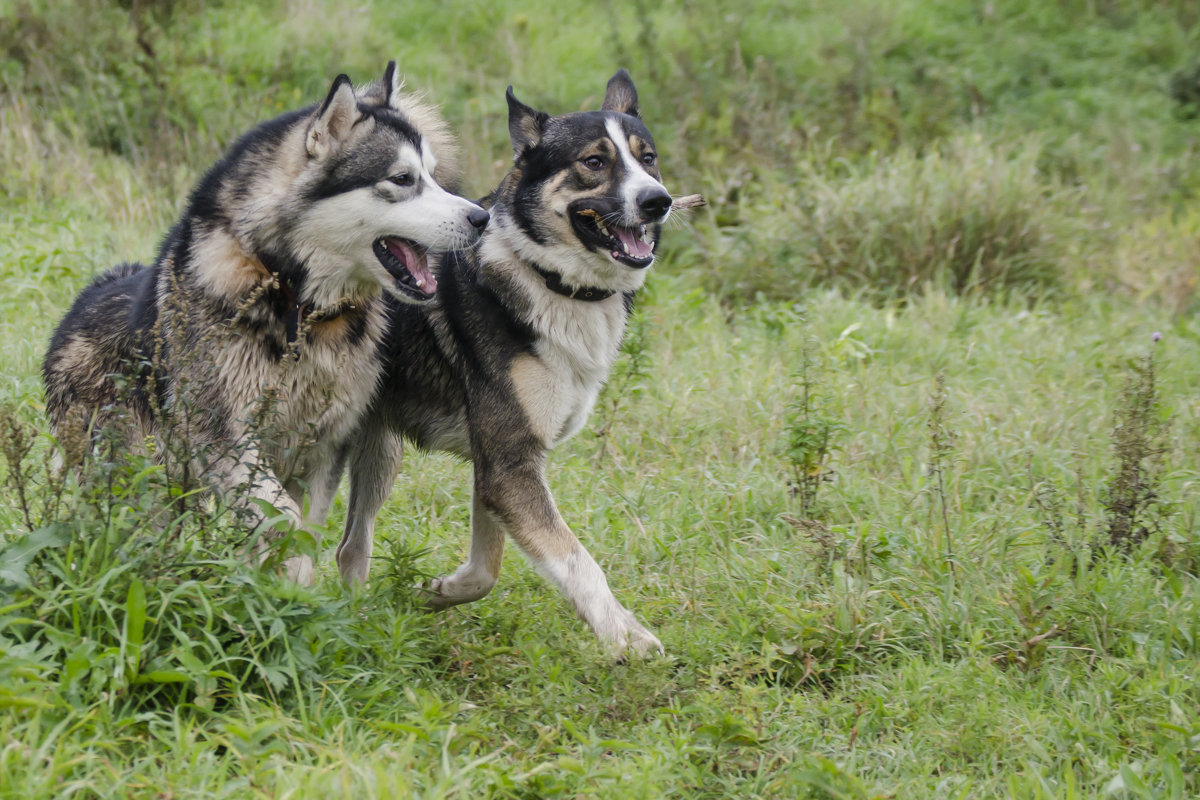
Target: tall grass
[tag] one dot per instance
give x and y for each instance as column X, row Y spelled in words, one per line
column 966, row 217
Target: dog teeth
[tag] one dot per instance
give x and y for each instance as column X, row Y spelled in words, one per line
column 420, row 283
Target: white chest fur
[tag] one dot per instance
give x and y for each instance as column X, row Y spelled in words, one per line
column 576, row 345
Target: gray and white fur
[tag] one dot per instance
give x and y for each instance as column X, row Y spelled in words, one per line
column 251, row 343
column 507, row 361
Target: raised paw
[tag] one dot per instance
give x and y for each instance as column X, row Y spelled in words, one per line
column 453, row 590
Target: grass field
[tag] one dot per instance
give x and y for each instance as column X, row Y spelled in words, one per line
column 899, row 462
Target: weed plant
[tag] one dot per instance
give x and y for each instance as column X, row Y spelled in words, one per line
column 1133, row 500
column 813, row 433
column 967, row 218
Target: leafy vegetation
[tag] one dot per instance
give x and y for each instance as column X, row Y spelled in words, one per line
column 941, row 236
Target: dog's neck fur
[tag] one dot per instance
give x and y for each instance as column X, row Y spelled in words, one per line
column 578, row 340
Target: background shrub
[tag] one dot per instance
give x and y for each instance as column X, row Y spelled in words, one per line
column 966, row 216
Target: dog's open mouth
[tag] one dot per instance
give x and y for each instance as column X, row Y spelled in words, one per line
column 632, row 247
column 408, row 263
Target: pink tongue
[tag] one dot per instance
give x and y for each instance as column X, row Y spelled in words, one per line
column 416, row 263
column 636, row 247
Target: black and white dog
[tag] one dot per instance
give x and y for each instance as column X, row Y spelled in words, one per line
column 508, row 359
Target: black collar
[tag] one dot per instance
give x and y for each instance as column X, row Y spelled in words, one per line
column 554, row 283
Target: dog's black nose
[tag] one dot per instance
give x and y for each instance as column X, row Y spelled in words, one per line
column 654, row 203
column 479, row 218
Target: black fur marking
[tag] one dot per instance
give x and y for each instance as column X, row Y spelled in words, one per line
column 114, row 315
column 436, row 353
column 291, row 272
column 204, row 202
column 389, row 81
column 361, row 167
column 358, row 326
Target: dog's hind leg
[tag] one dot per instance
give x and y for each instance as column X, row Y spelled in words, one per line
column 476, row 577
column 517, row 494
column 374, row 462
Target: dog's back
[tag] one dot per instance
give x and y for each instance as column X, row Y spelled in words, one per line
column 104, row 335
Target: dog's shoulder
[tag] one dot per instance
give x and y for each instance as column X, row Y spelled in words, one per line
column 486, row 308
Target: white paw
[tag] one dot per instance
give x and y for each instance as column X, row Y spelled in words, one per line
column 432, row 590
column 453, row 590
column 301, row 570
column 641, row 643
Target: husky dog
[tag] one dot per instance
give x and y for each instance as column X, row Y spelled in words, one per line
column 507, row 361
column 267, row 300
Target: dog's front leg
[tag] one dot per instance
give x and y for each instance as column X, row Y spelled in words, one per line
column 324, row 474
column 518, row 495
column 240, row 475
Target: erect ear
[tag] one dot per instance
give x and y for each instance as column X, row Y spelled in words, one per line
column 525, row 126
column 333, row 122
column 620, row 95
column 391, row 83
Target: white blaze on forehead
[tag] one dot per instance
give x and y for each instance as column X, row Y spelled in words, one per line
column 636, row 178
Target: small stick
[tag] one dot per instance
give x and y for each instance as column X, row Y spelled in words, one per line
column 1041, row 637
column 689, row 201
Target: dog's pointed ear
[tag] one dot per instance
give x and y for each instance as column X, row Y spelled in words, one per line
column 391, row 84
column 334, row 120
column 525, row 126
column 621, row 95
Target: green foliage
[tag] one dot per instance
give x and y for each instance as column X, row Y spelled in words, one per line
column 125, row 603
column 1133, row 500
column 967, row 217
column 812, row 434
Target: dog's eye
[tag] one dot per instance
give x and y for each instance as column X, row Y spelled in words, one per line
column 649, row 159
column 403, row 179
column 594, row 162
